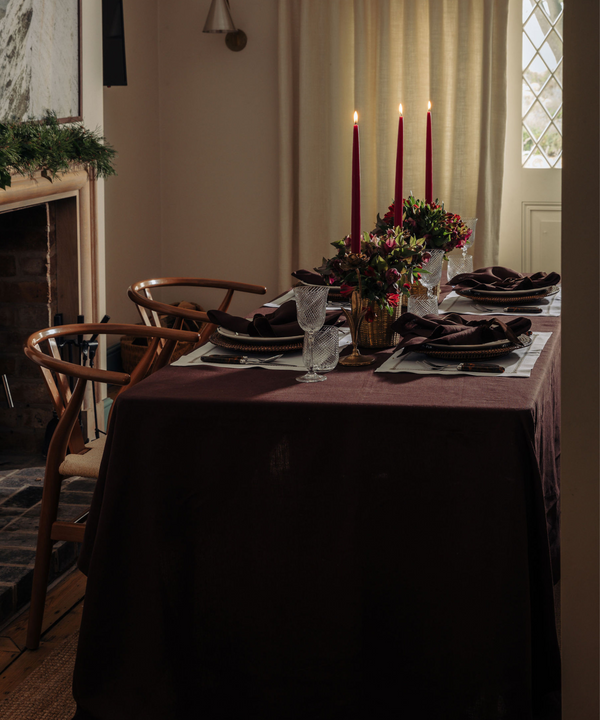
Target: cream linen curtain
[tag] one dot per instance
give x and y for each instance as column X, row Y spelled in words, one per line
column 337, row 56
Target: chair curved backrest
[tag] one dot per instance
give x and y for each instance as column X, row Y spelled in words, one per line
column 151, row 309
column 84, row 458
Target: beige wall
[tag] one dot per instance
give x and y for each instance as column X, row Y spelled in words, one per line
column 91, row 41
column 196, row 131
column 131, row 125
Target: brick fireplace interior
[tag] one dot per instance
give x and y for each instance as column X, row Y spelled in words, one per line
column 38, row 280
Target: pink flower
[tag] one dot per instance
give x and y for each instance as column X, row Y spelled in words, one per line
column 392, row 276
column 389, row 245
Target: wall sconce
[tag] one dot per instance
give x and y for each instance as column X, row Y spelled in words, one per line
column 219, row 20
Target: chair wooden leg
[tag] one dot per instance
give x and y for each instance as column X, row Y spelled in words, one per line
column 43, row 554
column 41, row 572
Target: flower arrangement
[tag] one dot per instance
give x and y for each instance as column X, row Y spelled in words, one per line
column 428, row 222
column 385, row 268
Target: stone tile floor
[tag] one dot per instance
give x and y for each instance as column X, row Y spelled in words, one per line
column 21, row 482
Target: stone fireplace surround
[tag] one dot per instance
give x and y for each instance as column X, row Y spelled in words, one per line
column 70, row 201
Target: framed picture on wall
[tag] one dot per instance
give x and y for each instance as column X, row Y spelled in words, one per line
column 40, row 59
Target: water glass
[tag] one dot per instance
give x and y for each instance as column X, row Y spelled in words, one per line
column 422, row 305
column 428, row 304
column 458, row 264
column 311, row 306
column 326, row 349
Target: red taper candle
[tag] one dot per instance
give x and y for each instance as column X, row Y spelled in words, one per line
column 398, row 192
column 429, row 160
column 355, row 224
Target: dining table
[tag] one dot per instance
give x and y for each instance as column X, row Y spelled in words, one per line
column 375, row 546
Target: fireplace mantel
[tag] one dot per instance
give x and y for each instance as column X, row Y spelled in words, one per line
column 26, row 191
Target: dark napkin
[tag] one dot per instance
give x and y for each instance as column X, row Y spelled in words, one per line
column 501, row 278
column 453, row 329
column 308, row 277
column 282, row 322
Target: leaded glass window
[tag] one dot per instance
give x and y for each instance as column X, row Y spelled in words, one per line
column 542, row 104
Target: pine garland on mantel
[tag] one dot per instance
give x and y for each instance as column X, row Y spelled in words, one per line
column 52, row 148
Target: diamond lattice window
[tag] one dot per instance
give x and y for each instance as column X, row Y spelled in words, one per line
column 542, row 83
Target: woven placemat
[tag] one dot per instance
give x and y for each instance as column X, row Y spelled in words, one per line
column 46, row 693
column 502, row 300
column 230, row 344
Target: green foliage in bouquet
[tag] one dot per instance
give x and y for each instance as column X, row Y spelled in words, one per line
column 430, row 223
column 52, row 148
column 385, row 267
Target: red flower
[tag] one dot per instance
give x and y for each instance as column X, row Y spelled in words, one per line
column 346, row 290
column 370, row 315
column 370, row 272
column 407, row 286
column 394, row 299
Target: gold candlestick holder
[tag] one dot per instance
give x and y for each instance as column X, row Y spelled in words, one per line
column 354, row 317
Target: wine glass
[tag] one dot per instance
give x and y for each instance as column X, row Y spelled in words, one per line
column 459, row 264
column 427, row 304
column 311, row 306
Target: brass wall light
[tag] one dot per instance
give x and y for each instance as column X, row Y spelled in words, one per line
column 219, row 20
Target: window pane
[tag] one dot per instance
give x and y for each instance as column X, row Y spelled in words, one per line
column 542, row 83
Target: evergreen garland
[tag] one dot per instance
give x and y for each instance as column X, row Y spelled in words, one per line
column 46, row 145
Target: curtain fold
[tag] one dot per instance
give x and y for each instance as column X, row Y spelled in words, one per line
column 370, row 55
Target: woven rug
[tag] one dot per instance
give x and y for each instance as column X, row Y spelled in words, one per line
column 46, row 692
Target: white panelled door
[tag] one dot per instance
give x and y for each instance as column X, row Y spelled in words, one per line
column 531, row 211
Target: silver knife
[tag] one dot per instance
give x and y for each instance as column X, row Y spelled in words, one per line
column 238, row 359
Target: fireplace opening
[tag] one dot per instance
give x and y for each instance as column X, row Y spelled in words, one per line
column 38, row 281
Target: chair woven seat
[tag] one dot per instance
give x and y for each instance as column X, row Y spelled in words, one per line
column 85, row 463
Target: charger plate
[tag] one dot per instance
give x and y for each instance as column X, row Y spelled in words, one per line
column 334, row 294
column 508, row 297
column 495, row 349
column 266, row 345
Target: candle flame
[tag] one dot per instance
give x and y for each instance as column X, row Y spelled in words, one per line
column 400, row 108
column 429, row 105
column 355, row 117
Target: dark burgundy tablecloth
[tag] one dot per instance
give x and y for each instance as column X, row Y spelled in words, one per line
column 375, row 546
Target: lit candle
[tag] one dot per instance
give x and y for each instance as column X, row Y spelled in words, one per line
column 429, row 160
column 398, row 194
column 355, row 224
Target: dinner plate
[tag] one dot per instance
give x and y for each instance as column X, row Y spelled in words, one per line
column 251, row 340
column 507, row 297
column 484, row 351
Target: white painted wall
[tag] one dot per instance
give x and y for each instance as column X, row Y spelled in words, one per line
column 93, row 111
column 131, row 125
column 196, row 130
column 219, row 143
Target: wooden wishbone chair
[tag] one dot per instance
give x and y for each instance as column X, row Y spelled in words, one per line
column 150, row 309
column 84, row 458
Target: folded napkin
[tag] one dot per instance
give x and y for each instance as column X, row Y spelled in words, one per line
column 501, row 278
column 452, row 329
column 308, row 277
column 282, row 322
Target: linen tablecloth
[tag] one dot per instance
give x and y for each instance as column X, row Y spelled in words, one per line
column 373, row 546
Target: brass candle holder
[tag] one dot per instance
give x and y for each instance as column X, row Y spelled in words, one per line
column 354, row 317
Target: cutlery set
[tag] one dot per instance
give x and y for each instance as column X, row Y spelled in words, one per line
column 244, row 360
